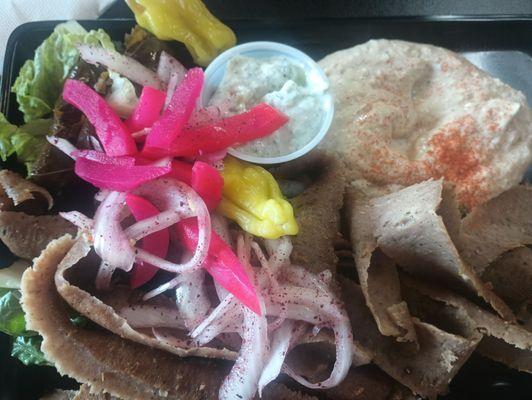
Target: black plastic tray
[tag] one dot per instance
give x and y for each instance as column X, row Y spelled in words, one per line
column 479, row 378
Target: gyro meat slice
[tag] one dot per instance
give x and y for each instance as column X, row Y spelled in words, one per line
column 377, row 273
column 502, row 341
column 16, row 190
column 497, row 226
column 409, row 228
column 426, row 372
column 511, row 276
column 27, row 235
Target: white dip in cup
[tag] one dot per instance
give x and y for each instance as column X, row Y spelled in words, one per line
column 315, row 76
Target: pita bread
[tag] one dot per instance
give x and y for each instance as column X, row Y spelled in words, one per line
column 426, row 372
column 501, row 224
column 110, row 364
column 406, row 112
column 271, row 392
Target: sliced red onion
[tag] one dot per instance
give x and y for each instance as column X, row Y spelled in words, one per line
column 221, row 292
column 171, row 194
column 227, row 304
column 173, row 82
column 167, row 66
column 279, row 349
column 125, row 66
column 243, row 250
column 297, row 312
column 167, row 194
column 101, row 195
column 163, row 288
column 110, row 241
column 156, row 223
column 78, row 219
column 192, row 299
column 265, row 266
column 62, row 144
column 344, row 358
column 152, row 316
column 96, row 145
column 274, row 285
column 299, row 276
column 161, row 263
column 229, row 322
column 280, row 251
column 329, row 308
column 104, row 276
column 241, row 383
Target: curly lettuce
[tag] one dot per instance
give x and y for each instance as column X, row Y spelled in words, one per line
column 40, row 80
column 25, row 141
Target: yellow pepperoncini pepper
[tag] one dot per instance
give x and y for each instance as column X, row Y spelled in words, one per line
column 187, row 21
column 252, row 198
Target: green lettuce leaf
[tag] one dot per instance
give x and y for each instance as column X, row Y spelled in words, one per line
column 26, row 141
column 6, row 132
column 28, row 350
column 11, row 313
column 40, row 80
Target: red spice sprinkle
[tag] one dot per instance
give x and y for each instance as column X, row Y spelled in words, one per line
column 458, row 157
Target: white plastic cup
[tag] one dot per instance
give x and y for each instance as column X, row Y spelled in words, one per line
column 315, row 75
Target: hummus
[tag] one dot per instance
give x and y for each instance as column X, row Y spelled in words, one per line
column 283, row 84
column 406, row 112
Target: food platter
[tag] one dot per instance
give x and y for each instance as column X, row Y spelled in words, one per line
column 318, row 38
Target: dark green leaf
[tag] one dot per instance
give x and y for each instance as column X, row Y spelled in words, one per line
column 28, row 350
column 11, row 314
column 78, row 320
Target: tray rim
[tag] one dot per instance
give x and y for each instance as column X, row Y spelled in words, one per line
column 7, row 67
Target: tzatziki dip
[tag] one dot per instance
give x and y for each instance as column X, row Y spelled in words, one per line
column 282, row 83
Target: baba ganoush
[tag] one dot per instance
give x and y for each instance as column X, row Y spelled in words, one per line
column 406, row 112
column 282, row 83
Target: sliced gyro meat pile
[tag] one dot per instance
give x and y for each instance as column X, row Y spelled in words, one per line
column 408, row 227
column 428, row 371
column 501, row 341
